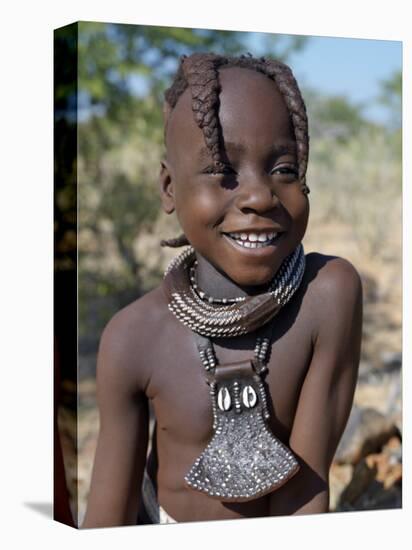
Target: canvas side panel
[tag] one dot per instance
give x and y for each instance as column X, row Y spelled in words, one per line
column 65, row 274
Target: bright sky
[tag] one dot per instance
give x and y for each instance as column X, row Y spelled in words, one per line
column 335, row 66
column 353, row 67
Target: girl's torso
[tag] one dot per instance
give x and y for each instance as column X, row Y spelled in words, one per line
column 179, row 395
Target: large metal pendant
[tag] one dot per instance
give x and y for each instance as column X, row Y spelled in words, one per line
column 243, row 460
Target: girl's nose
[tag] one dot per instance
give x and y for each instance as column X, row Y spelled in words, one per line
column 255, row 194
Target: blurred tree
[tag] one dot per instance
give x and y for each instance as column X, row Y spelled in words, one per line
column 121, row 63
column 391, row 98
column 333, row 117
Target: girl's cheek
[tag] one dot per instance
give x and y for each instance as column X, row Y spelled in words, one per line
column 296, row 204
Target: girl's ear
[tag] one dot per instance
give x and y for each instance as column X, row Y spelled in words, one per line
column 166, row 188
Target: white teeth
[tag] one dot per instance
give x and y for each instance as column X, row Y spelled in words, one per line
column 253, row 240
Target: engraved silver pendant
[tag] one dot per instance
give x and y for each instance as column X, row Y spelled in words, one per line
column 243, row 459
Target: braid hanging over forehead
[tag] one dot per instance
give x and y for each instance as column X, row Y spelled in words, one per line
column 200, row 73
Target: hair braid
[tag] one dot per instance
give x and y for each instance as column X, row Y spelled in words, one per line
column 288, row 87
column 199, row 72
column 181, row 240
column 201, row 75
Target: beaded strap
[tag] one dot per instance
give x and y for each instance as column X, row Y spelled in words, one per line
column 209, row 361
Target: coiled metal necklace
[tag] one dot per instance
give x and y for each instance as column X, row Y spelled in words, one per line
column 213, row 317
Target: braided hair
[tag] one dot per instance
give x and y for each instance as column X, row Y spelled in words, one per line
column 200, row 72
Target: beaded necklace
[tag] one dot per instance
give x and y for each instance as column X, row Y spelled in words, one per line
column 214, row 317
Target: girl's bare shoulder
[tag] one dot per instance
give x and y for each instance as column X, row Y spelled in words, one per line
column 334, row 288
column 331, row 274
column 141, row 319
column 130, row 335
column 141, row 314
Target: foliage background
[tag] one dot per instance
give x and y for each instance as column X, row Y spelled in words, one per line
column 354, row 175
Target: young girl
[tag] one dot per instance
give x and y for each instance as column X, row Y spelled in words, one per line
column 248, row 350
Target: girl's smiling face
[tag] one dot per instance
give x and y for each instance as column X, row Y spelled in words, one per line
column 248, row 217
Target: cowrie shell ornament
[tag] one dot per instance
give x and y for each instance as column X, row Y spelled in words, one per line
column 224, row 400
column 249, row 397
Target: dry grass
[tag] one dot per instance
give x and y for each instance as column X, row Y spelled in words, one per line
column 356, row 213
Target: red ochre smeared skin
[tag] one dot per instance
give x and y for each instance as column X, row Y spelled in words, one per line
column 147, row 355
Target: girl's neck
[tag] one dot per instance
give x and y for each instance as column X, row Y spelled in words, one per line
column 217, row 284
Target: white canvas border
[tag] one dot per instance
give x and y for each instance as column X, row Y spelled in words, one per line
column 26, row 236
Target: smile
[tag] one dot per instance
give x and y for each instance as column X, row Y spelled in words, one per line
column 253, row 239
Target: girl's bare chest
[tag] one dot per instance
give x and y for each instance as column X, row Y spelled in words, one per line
column 181, row 396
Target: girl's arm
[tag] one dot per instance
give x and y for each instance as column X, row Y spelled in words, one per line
column 327, row 393
column 122, row 443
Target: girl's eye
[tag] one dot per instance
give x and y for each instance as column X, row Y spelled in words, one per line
column 286, row 169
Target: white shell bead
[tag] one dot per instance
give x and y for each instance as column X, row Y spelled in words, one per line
column 249, row 397
column 224, row 401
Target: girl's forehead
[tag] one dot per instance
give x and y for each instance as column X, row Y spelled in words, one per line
column 250, row 106
column 251, row 102
column 244, row 81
